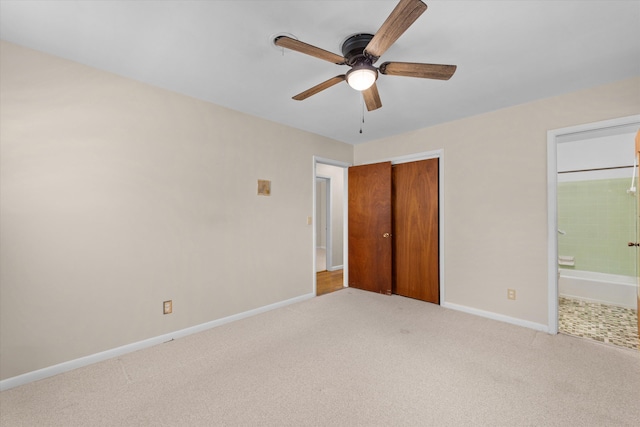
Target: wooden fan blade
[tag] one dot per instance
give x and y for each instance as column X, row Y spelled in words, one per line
column 401, row 18
column 372, row 98
column 302, row 47
column 319, row 88
column 412, row 69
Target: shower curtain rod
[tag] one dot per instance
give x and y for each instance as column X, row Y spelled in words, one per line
column 598, row 169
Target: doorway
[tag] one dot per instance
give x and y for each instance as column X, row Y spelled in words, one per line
column 435, row 154
column 593, row 285
column 329, row 242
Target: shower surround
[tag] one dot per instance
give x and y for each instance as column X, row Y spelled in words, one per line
column 598, row 219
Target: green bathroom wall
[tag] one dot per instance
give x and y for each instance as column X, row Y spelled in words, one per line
column 599, row 220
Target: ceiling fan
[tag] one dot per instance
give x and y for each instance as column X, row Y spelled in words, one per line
column 361, row 51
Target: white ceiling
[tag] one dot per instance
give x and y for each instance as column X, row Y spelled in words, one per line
column 507, row 53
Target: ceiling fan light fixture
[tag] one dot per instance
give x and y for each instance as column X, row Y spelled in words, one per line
column 362, row 77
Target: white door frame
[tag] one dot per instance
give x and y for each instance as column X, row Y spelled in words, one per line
column 552, row 204
column 345, row 216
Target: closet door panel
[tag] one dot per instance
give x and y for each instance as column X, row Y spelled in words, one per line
column 370, row 245
column 416, row 230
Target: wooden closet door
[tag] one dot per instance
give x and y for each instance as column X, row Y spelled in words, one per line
column 416, row 230
column 370, row 227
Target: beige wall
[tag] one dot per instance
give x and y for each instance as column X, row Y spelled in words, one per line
column 116, row 196
column 495, row 197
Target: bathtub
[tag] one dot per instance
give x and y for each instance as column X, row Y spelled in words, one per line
column 604, row 288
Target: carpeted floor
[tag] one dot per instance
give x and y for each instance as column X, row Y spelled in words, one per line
column 348, row 358
column 605, row 323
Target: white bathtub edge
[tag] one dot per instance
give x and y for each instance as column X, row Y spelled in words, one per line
column 597, row 301
column 598, row 277
column 602, row 288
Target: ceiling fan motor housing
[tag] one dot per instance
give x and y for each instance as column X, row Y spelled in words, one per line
column 353, row 49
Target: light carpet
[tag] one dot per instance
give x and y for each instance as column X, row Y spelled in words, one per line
column 350, row 358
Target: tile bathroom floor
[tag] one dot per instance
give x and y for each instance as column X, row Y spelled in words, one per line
column 605, row 323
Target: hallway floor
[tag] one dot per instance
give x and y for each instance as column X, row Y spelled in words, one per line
column 605, row 323
column 329, row 281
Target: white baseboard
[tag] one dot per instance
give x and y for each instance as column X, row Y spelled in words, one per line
column 335, row 268
column 119, row 351
column 495, row 316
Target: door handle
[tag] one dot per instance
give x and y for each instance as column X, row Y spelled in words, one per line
column 633, row 244
column 385, row 235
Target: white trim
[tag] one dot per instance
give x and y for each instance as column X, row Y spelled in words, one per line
column 552, row 205
column 328, row 231
column 345, row 219
column 495, row 316
column 314, row 281
column 325, row 161
column 424, row 155
column 119, row 351
column 552, row 231
column 345, row 228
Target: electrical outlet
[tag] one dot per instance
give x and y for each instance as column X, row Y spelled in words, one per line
column 167, row 307
column 511, row 294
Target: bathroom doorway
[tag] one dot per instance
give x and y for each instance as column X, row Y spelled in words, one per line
column 596, row 211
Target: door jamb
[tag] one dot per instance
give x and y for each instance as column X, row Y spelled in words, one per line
column 552, row 204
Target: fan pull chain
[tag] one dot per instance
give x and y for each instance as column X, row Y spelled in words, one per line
column 362, row 115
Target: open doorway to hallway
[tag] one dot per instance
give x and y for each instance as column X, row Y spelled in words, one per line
column 329, row 221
